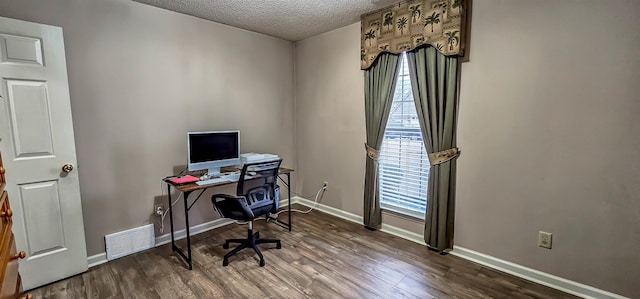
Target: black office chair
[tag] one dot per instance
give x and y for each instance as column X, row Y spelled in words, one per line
column 257, row 194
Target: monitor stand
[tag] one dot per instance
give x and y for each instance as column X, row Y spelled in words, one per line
column 211, row 173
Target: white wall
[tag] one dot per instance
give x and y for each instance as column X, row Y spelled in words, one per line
column 548, row 130
column 548, row 125
column 330, row 131
column 330, row 121
column 140, row 78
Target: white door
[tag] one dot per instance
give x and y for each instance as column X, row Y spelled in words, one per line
column 36, row 140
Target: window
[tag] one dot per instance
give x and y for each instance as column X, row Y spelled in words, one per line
column 403, row 162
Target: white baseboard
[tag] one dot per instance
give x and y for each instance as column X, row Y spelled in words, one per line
column 536, row 276
column 402, row 233
column 194, row 230
column 97, row 259
column 399, row 232
column 552, row 281
column 101, row 258
column 327, row 209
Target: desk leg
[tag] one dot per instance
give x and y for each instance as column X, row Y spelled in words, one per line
column 173, row 240
column 187, row 257
column 289, row 190
column 186, row 220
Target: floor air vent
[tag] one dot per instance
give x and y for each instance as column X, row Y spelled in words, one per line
column 129, row 241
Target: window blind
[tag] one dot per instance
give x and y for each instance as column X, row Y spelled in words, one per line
column 403, row 162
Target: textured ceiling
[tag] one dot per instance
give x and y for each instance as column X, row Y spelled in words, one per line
column 287, row 19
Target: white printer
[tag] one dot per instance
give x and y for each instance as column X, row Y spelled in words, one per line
column 256, row 157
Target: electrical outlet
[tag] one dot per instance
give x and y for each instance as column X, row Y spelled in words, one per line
column 325, row 186
column 544, row 239
column 158, row 210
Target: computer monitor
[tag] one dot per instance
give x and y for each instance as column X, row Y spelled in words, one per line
column 212, row 150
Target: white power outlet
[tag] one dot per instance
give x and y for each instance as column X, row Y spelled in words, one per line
column 158, row 210
column 544, row 239
column 325, row 186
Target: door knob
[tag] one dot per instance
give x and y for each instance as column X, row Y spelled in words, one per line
column 19, row 255
column 6, row 214
column 67, row 168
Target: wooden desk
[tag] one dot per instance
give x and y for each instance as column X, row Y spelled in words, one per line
column 187, row 189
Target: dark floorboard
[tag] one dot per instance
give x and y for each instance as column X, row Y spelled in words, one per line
column 323, row 257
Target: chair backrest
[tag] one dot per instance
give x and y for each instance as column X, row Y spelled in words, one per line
column 258, row 174
column 257, row 193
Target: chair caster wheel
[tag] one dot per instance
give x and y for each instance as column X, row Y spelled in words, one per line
column 225, row 263
column 278, row 245
column 261, row 263
column 225, row 245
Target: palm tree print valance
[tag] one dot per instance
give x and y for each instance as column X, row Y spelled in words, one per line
column 410, row 24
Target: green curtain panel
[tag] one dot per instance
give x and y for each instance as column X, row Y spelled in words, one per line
column 379, row 84
column 434, row 83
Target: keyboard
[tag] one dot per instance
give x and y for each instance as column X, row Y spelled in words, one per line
column 222, row 179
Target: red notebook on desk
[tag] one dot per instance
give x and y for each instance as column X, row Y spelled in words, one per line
column 183, row 179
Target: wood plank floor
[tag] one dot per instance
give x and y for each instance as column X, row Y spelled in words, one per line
column 323, row 257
